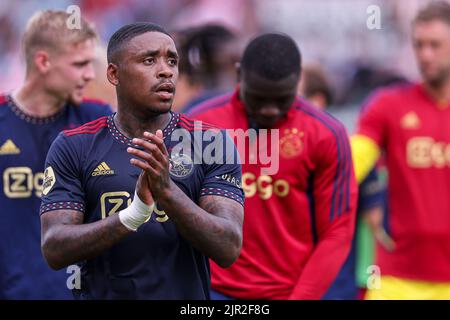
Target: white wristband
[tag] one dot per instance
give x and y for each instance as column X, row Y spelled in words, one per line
column 136, row 214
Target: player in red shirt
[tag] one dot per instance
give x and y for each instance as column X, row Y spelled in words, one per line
column 410, row 124
column 299, row 219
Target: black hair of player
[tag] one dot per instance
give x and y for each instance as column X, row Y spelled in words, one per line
column 199, row 48
column 128, row 32
column 272, row 56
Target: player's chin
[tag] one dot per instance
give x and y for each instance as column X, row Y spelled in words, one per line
column 162, row 105
column 266, row 123
column 76, row 97
column 433, row 78
column 430, row 73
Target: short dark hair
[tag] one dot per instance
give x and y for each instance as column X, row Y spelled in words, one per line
column 128, row 32
column 199, row 49
column 273, row 56
column 437, row 10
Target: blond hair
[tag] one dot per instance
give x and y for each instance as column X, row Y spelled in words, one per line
column 49, row 30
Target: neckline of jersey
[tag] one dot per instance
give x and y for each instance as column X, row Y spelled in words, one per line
column 420, row 87
column 119, row 136
column 29, row 118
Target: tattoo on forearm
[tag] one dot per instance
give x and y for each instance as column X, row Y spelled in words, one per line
column 214, row 227
column 66, row 240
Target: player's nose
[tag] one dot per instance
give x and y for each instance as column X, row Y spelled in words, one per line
column 164, row 71
column 89, row 73
column 426, row 53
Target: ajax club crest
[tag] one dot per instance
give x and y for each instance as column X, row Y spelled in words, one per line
column 181, row 165
column 291, row 144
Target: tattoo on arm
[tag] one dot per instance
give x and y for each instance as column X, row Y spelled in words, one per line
column 66, row 240
column 214, row 227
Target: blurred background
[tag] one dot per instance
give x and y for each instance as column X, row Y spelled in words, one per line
column 343, row 54
column 346, row 53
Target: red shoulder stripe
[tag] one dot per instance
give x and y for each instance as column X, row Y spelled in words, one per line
column 85, row 131
column 191, row 127
column 190, row 122
column 92, row 123
column 88, row 128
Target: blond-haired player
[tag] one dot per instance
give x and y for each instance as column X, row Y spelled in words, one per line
column 58, row 67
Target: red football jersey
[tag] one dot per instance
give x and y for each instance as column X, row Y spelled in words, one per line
column 298, row 221
column 414, row 133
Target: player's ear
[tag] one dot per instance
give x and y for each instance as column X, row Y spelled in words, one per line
column 41, row 61
column 112, row 74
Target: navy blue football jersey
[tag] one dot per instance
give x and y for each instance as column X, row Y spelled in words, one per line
column 24, row 143
column 89, row 170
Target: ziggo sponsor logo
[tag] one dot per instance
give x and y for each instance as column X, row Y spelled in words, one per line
column 264, row 186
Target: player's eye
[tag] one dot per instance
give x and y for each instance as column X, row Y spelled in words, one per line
column 172, row 62
column 81, row 64
column 149, row 61
column 435, row 44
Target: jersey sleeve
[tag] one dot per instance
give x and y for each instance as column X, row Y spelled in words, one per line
column 334, row 188
column 62, row 187
column 224, row 178
column 371, row 192
column 371, row 134
column 373, row 120
column 333, row 196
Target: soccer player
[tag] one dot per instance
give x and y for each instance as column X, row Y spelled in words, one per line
column 58, row 67
column 315, row 88
column 299, row 221
column 137, row 214
column 410, row 124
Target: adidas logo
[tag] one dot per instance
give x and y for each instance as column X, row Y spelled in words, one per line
column 410, row 121
column 9, row 148
column 102, row 170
